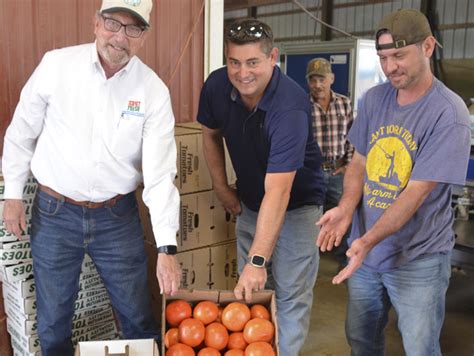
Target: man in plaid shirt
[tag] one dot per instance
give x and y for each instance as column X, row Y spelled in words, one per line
column 332, row 119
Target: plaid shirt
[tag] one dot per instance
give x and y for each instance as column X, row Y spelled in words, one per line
column 330, row 128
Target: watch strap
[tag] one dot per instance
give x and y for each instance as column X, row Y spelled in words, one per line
column 168, row 249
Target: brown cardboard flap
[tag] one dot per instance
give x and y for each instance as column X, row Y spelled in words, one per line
column 117, row 347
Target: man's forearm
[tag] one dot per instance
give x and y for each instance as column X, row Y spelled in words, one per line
column 213, row 147
column 272, row 213
column 400, row 212
column 353, row 184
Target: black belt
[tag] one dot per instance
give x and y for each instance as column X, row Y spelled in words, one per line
column 333, row 165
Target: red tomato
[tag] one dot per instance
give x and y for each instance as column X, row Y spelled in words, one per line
column 219, row 314
column 259, row 330
column 177, row 311
column 191, row 332
column 259, row 349
column 259, row 311
column 208, row 351
column 206, row 311
column 235, row 315
column 180, row 350
column 235, row 352
column 216, row 336
column 171, row 337
column 237, row 341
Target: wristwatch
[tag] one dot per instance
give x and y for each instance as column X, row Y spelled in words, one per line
column 258, row 261
column 168, row 249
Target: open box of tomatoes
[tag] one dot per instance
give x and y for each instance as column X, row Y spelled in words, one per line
column 214, row 323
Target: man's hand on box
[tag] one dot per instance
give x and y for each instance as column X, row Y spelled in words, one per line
column 14, row 217
column 168, row 273
column 252, row 279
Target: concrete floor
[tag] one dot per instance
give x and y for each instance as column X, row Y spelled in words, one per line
column 327, row 338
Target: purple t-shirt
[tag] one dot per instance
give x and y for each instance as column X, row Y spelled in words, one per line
column 428, row 140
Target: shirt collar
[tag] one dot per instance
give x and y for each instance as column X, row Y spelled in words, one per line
column 95, row 61
column 332, row 98
column 265, row 102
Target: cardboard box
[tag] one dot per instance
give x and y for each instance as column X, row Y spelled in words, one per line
column 193, row 175
column 139, row 347
column 24, row 326
column 13, row 312
column 15, row 256
column 100, row 316
column 17, row 272
column 29, row 343
column 202, row 221
column 90, row 313
column 23, row 288
column 90, row 281
column 24, row 306
column 92, row 302
column 5, row 236
column 231, row 177
column 95, row 331
column 195, row 271
column 221, row 297
column 224, row 270
column 19, row 351
column 16, row 245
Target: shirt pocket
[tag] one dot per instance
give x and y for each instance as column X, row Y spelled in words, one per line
column 127, row 141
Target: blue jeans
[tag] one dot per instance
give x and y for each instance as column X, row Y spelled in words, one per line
column 61, row 234
column 334, row 186
column 417, row 291
column 291, row 271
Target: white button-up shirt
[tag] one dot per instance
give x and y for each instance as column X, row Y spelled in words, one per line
column 91, row 138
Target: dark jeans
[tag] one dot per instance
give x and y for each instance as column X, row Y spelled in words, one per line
column 334, row 185
column 61, row 234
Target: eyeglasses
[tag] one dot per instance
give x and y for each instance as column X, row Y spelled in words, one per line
column 248, row 30
column 113, row 25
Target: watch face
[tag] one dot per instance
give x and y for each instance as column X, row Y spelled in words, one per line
column 258, row 260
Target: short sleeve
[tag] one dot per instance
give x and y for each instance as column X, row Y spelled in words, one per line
column 444, row 156
column 205, row 113
column 288, row 137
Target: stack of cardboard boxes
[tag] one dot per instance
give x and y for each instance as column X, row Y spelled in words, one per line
column 93, row 317
column 206, row 237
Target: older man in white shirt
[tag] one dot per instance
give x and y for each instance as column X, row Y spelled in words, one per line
column 93, row 122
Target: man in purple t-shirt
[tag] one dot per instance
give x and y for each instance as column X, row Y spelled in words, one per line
column 412, row 141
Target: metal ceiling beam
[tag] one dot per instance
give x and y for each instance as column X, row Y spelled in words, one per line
column 230, row 5
column 327, row 15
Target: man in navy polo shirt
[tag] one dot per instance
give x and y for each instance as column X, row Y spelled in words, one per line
column 265, row 118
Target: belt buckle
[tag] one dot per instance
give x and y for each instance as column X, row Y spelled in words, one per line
column 89, row 204
column 327, row 166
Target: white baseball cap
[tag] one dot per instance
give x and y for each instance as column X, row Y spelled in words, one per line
column 139, row 8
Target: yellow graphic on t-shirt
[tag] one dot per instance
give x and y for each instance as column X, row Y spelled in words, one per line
column 389, row 163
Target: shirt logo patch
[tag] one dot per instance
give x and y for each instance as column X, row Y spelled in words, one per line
column 133, row 110
column 133, row 106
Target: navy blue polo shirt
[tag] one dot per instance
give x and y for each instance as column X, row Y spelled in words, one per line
column 275, row 137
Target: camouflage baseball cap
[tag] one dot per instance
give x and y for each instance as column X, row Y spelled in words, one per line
column 318, row 66
column 407, row 27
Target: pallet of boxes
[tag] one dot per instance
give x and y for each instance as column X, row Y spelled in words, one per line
column 93, row 318
column 207, row 250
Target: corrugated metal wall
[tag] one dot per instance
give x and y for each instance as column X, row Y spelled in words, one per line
column 455, row 21
column 29, row 28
